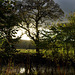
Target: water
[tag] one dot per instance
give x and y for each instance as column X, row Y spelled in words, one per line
column 40, row 70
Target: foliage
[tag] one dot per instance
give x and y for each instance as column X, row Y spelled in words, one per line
column 8, row 20
column 67, row 32
column 62, row 35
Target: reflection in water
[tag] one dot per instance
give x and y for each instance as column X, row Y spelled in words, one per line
column 41, row 71
column 22, row 70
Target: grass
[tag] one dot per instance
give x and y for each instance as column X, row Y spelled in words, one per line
column 48, row 53
column 26, row 50
column 43, row 51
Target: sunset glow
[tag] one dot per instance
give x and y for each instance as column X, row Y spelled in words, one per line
column 24, row 36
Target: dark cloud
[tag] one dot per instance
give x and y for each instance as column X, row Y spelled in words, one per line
column 66, row 5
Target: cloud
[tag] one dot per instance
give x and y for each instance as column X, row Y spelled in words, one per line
column 66, row 5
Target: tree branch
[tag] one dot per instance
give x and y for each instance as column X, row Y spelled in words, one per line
column 29, row 34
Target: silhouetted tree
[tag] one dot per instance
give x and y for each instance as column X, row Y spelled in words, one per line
column 36, row 15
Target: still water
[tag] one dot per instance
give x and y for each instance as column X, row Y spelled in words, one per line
column 40, row 70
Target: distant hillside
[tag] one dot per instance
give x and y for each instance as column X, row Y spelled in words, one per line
column 25, row 44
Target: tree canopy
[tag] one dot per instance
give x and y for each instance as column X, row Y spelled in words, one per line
column 36, row 15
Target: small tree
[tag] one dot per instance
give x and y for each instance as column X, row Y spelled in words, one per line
column 36, row 15
column 65, row 33
column 68, row 32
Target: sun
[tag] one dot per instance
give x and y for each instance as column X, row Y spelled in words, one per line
column 24, row 37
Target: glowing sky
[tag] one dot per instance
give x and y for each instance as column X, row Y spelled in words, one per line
column 67, row 6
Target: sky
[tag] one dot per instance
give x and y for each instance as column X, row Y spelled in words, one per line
column 24, row 37
column 67, row 6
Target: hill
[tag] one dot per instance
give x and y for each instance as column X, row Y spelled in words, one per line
column 25, row 44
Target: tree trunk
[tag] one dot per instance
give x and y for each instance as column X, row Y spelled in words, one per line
column 37, row 50
column 74, row 47
column 67, row 48
column 37, row 44
column 28, row 66
column 37, row 47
